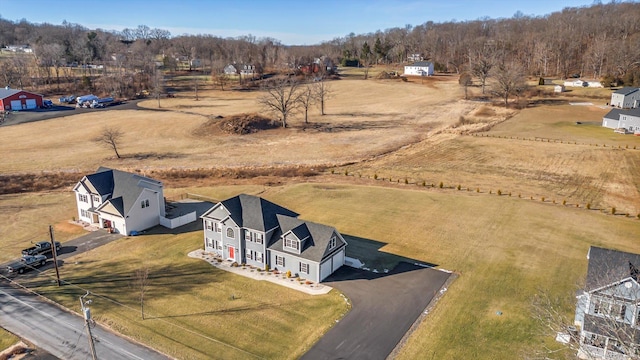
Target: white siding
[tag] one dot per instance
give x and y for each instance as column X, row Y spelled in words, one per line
column 139, row 218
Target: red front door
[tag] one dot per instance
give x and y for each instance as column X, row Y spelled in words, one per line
column 231, row 252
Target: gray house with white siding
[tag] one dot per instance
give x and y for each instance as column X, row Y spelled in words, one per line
column 250, row 230
column 607, row 316
column 623, row 119
column 625, row 98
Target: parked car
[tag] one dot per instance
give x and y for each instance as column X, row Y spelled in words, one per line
column 47, row 104
column 41, row 247
column 26, row 263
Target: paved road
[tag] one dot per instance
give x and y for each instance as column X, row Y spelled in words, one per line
column 384, row 308
column 60, row 332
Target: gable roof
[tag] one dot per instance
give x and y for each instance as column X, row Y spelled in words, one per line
column 614, row 114
column 254, row 212
column 608, row 266
column 315, row 247
column 121, row 188
column 421, row 63
column 5, row 93
column 626, row 90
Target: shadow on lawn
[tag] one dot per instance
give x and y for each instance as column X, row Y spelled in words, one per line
column 376, row 262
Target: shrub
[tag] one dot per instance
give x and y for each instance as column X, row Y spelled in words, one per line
column 519, row 196
column 564, row 202
column 588, row 206
column 288, row 273
column 346, row 173
column 375, row 176
column 458, row 187
column 406, row 181
column 638, row 216
column 235, row 264
column 441, row 185
column 613, row 211
column 499, row 192
column 266, row 267
column 333, row 171
column 490, row 191
column 477, row 190
column 424, row 183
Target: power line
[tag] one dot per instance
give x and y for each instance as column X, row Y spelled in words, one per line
column 135, row 310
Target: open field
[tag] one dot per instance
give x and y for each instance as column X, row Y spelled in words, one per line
column 505, row 250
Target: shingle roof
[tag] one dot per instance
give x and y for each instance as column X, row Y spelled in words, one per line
column 626, row 90
column 615, row 113
column 608, row 266
column 122, row 187
column 421, row 63
column 4, row 93
column 315, row 246
column 254, row 212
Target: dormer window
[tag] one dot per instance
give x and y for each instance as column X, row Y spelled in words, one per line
column 230, row 233
column 96, row 198
column 291, row 244
column 332, row 242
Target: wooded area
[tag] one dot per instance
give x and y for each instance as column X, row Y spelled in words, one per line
column 601, row 41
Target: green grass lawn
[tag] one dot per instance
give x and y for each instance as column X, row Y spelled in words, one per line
column 192, row 310
column 504, row 249
column 7, row 339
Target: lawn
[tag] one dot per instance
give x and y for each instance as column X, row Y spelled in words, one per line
column 7, row 339
column 505, row 250
column 192, row 310
column 25, row 218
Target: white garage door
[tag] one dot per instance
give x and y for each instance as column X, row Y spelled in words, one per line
column 325, row 269
column 16, row 105
column 31, row 104
column 338, row 260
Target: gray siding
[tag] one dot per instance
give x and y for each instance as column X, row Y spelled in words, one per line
column 292, row 263
column 255, row 248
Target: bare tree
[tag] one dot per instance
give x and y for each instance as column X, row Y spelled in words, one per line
column 465, row 82
column 219, row 78
column 157, row 84
column 141, row 283
column 281, row 97
column 509, row 79
column 110, row 137
column 322, row 91
column 482, row 69
column 306, row 98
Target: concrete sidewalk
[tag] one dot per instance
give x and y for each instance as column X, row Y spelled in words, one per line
column 247, row 271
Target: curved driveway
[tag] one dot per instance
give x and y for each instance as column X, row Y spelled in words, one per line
column 384, row 308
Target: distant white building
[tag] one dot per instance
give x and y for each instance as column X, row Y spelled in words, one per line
column 419, row 68
column 415, row 57
column 558, row 88
column 583, row 83
column 625, row 98
column 18, row 49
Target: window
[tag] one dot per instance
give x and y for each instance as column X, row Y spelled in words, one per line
column 304, row 268
column 144, row 203
column 83, row 198
column 230, row 233
column 217, row 227
column 332, row 242
column 279, row 260
column 84, row 213
column 209, row 242
column 291, row 244
column 218, row 245
column 623, row 311
column 254, row 255
column 249, row 254
column 96, row 198
column 258, row 257
column 247, row 235
column 259, row 238
column 596, row 307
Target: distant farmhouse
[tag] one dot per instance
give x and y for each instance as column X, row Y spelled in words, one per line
column 250, row 230
column 583, row 83
column 419, row 68
column 18, row 49
column 607, row 315
column 626, row 98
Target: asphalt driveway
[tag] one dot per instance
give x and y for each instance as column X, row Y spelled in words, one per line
column 384, row 306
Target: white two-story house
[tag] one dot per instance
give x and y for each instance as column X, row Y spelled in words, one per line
column 608, row 310
column 250, row 230
column 118, row 200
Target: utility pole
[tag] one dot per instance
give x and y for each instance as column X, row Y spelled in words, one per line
column 54, row 252
column 87, row 319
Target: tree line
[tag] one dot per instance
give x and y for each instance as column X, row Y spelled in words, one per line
column 601, row 41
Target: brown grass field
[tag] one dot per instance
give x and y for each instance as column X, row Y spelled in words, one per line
column 505, row 248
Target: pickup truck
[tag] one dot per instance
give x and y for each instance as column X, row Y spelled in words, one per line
column 41, row 247
column 26, row 263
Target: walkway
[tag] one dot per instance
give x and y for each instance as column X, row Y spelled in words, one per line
column 261, row 275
